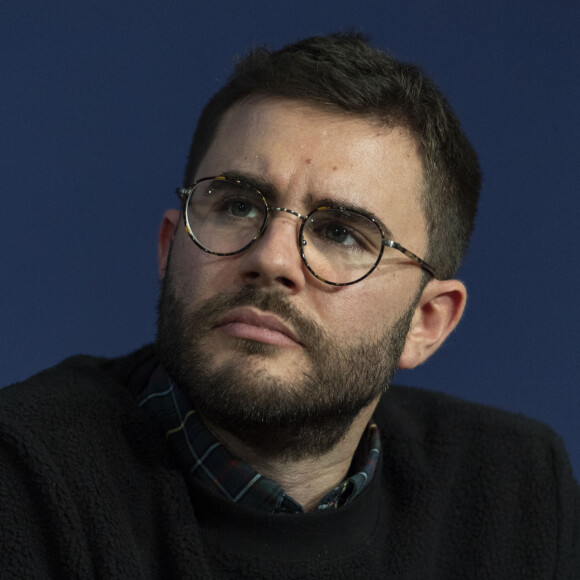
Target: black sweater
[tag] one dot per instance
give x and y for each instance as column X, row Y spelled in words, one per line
column 89, row 489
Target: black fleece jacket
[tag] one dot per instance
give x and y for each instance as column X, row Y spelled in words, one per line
column 89, row 489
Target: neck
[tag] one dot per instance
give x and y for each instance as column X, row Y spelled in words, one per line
column 307, row 479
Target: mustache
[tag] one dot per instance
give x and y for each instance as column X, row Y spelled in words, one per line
column 273, row 301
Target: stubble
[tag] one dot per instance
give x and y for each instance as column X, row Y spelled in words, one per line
column 304, row 414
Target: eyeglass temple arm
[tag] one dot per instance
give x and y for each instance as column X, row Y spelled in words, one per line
column 413, row 257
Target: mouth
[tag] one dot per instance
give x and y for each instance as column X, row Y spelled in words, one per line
column 259, row 326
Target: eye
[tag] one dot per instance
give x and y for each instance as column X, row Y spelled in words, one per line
column 241, row 208
column 230, row 201
column 341, row 230
column 336, row 232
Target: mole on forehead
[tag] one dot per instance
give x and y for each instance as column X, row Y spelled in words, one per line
column 308, row 161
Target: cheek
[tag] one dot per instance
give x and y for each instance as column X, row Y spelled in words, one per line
column 366, row 309
column 350, row 314
column 198, row 275
column 187, row 267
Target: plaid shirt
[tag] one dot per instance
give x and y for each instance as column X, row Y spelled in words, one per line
column 206, row 460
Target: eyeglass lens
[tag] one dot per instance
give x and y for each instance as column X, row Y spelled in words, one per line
column 338, row 245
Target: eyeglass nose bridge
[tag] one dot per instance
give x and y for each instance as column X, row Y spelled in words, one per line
column 290, row 211
column 270, row 209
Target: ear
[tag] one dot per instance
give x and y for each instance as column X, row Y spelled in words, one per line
column 166, row 235
column 438, row 312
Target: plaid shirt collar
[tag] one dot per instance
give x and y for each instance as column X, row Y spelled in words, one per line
column 204, row 459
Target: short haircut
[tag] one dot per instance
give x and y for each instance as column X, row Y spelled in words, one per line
column 342, row 72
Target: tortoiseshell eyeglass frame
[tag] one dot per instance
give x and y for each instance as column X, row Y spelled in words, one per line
column 185, row 193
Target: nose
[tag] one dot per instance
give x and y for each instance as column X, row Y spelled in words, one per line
column 274, row 259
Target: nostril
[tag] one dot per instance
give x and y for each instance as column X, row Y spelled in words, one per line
column 256, row 276
column 286, row 282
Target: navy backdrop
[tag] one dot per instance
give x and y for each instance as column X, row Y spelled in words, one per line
column 98, row 103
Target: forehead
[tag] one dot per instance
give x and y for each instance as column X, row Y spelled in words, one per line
column 309, row 154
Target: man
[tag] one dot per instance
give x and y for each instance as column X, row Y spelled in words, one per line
column 328, row 199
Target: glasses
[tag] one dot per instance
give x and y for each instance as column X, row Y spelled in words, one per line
column 224, row 216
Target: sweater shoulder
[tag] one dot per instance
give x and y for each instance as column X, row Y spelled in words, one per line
column 80, row 394
column 77, row 378
column 86, row 482
column 428, row 410
column 488, row 476
column 443, row 429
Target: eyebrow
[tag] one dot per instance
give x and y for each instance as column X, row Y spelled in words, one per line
column 272, row 195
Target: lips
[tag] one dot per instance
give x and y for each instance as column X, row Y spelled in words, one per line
column 264, row 327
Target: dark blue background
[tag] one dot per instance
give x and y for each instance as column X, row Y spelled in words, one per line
column 98, row 103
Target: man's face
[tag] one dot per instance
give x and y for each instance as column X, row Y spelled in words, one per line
column 260, row 344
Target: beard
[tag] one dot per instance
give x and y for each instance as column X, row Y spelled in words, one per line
column 303, row 414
